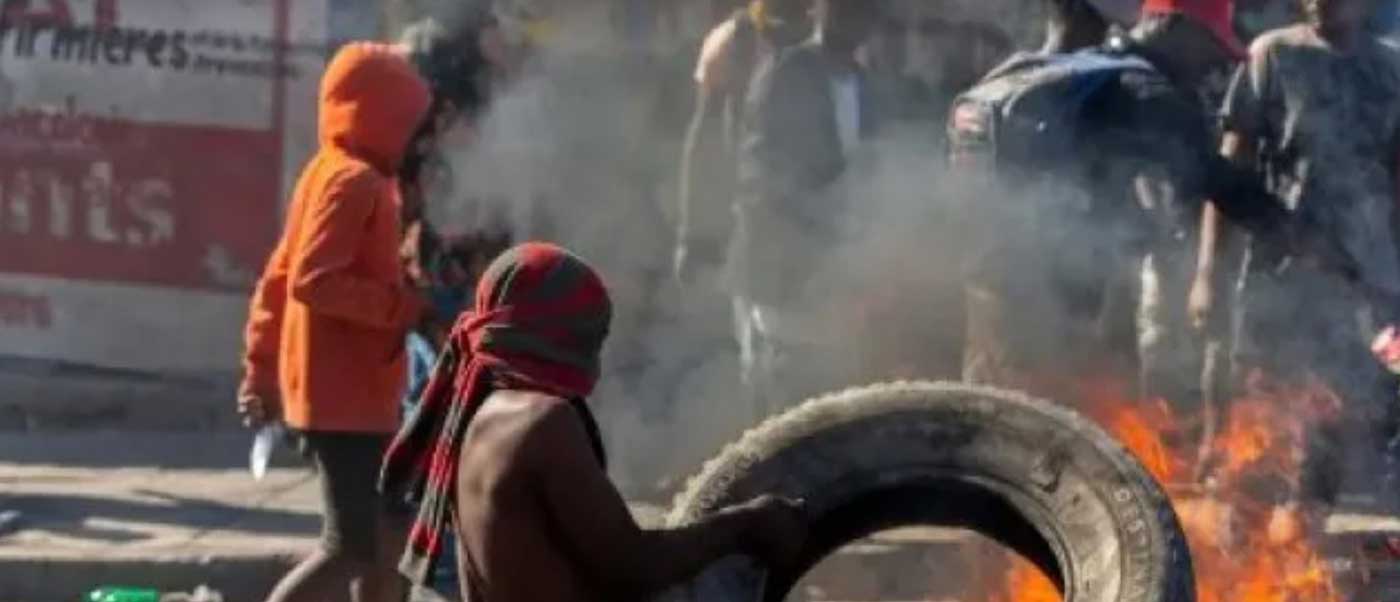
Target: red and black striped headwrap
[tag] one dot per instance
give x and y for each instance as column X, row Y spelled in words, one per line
column 540, row 319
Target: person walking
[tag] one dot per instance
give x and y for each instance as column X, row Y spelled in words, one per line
column 326, row 330
column 809, row 111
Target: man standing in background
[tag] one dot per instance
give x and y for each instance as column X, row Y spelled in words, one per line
column 996, row 348
column 1177, row 363
column 731, row 53
column 1316, row 109
column 1075, row 24
column 807, row 110
column 325, row 334
column 1044, row 316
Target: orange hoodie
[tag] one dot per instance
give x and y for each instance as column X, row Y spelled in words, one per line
column 329, row 316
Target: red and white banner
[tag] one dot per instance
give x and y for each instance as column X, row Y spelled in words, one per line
column 113, row 200
column 145, row 150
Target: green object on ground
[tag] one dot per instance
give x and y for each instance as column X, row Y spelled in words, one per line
column 123, row 594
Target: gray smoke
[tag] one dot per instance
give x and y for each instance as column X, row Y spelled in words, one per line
column 583, row 148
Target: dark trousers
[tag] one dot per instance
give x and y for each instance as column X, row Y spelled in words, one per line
column 1298, row 322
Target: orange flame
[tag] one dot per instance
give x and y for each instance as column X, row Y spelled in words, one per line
column 1027, row 583
column 1141, row 428
column 1245, row 548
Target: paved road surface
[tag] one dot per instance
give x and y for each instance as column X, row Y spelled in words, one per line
column 179, row 510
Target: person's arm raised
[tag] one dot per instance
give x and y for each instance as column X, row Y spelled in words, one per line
column 606, row 542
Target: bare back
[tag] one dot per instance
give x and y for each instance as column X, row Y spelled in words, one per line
column 511, row 549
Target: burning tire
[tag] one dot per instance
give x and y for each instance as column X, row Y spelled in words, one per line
column 1043, row 481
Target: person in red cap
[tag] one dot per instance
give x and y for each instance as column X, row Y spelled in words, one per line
column 1078, row 222
column 1175, row 361
column 1187, row 40
column 1075, row 24
column 1316, row 108
column 1215, row 16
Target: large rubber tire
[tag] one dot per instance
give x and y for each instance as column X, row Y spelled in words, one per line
column 1036, row 477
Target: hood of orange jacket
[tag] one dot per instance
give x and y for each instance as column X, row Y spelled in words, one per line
column 372, row 101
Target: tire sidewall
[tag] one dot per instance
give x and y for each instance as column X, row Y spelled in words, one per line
column 1112, row 529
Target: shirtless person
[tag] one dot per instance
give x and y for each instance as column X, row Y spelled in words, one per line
column 505, row 451
column 732, row 52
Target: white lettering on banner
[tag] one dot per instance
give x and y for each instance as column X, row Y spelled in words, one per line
column 137, row 214
column 60, row 210
column 145, row 149
column 90, row 197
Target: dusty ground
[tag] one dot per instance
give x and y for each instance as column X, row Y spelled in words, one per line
column 145, row 509
column 156, row 509
column 178, row 510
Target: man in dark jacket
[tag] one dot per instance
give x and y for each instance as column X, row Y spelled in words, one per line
column 1175, row 362
column 807, row 110
column 1315, row 108
column 1074, row 24
column 730, row 55
column 1139, row 116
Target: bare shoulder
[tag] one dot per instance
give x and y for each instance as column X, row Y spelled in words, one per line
column 719, row 41
column 1298, row 35
column 531, row 419
column 712, row 69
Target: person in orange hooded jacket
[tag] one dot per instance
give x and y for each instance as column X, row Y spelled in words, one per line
column 325, row 334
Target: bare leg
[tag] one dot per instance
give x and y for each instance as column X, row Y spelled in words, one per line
column 322, row 577
column 382, row 582
column 347, row 565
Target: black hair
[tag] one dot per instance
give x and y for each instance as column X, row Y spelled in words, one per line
column 450, row 60
column 1068, row 10
column 420, row 157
